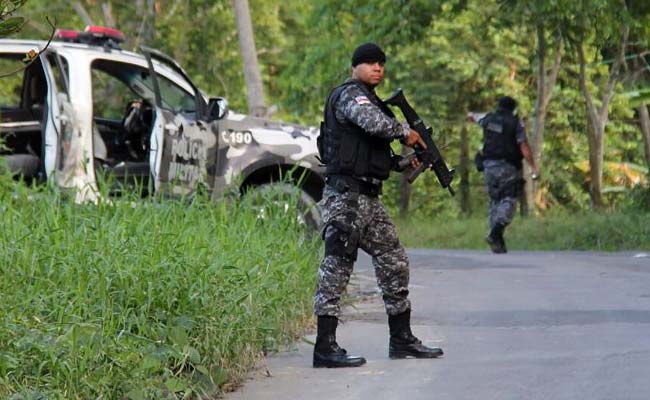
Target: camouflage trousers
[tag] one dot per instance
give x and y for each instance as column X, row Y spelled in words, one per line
column 353, row 221
column 501, row 179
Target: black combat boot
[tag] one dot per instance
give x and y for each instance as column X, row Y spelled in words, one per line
column 327, row 353
column 495, row 239
column 402, row 342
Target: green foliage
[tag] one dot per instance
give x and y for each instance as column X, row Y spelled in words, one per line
column 144, row 299
column 638, row 199
column 10, row 24
column 619, row 231
column 450, row 57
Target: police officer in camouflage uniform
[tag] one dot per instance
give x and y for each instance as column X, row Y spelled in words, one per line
column 355, row 146
column 504, row 146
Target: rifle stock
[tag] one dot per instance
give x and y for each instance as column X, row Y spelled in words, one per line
column 429, row 157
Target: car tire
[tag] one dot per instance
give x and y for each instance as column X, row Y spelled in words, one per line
column 309, row 213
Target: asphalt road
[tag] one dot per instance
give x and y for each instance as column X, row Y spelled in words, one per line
column 525, row 325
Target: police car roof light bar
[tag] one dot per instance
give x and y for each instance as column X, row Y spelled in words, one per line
column 67, row 35
column 93, row 35
column 105, row 32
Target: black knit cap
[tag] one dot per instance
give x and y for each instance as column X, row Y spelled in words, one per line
column 507, row 103
column 368, row 53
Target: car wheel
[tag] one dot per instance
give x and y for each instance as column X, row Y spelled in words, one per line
column 286, row 196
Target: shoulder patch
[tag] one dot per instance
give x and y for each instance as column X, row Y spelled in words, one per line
column 361, row 100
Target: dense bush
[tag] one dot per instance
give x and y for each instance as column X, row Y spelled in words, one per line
column 144, row 298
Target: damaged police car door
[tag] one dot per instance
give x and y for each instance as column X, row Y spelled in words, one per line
column 29, row 112
column 183, row 146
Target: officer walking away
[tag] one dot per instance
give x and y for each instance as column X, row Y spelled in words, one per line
column 355, row 147
column 504, row 145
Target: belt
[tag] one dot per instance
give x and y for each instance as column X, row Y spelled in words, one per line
column 344, row 183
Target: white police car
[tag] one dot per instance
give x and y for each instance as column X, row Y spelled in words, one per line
column 84, row 108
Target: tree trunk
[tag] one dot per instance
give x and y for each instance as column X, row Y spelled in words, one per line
column 82, row 13
column 146, row 10
column 598, row 117
column 463, row 170
column 404, row 188
column 595, row 166
column 545, row 83
column 644, row 119
column 108, row 15
column 180, row 54
column 150, row 31
column 252, row 75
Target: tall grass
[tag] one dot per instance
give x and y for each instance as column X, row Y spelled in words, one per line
column 611, row 231
column 144, row 299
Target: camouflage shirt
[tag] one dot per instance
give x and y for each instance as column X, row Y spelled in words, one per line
column 354, row 106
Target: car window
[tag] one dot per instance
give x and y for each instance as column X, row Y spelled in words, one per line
column 174, row 97
column 23, row 91
column 109, row 95
column 136, row 83
column 115, row 84
column 12, row 85
column 61, row 77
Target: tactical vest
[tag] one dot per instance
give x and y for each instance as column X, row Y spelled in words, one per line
column 500, row 138
column 346, row 149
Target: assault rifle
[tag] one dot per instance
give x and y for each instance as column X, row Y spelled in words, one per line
column 429, row 157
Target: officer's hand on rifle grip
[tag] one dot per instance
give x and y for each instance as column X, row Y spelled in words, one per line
column 415, row 163
column 414, row 138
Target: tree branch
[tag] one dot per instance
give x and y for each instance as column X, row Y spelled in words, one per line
column 35, row 56
column 613, row 74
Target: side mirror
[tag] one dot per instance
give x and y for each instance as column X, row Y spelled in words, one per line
column 217, row 108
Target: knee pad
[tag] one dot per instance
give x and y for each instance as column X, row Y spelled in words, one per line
column 341, row 240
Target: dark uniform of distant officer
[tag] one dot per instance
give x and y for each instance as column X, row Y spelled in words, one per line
column 355, row 146
column 504, row 146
